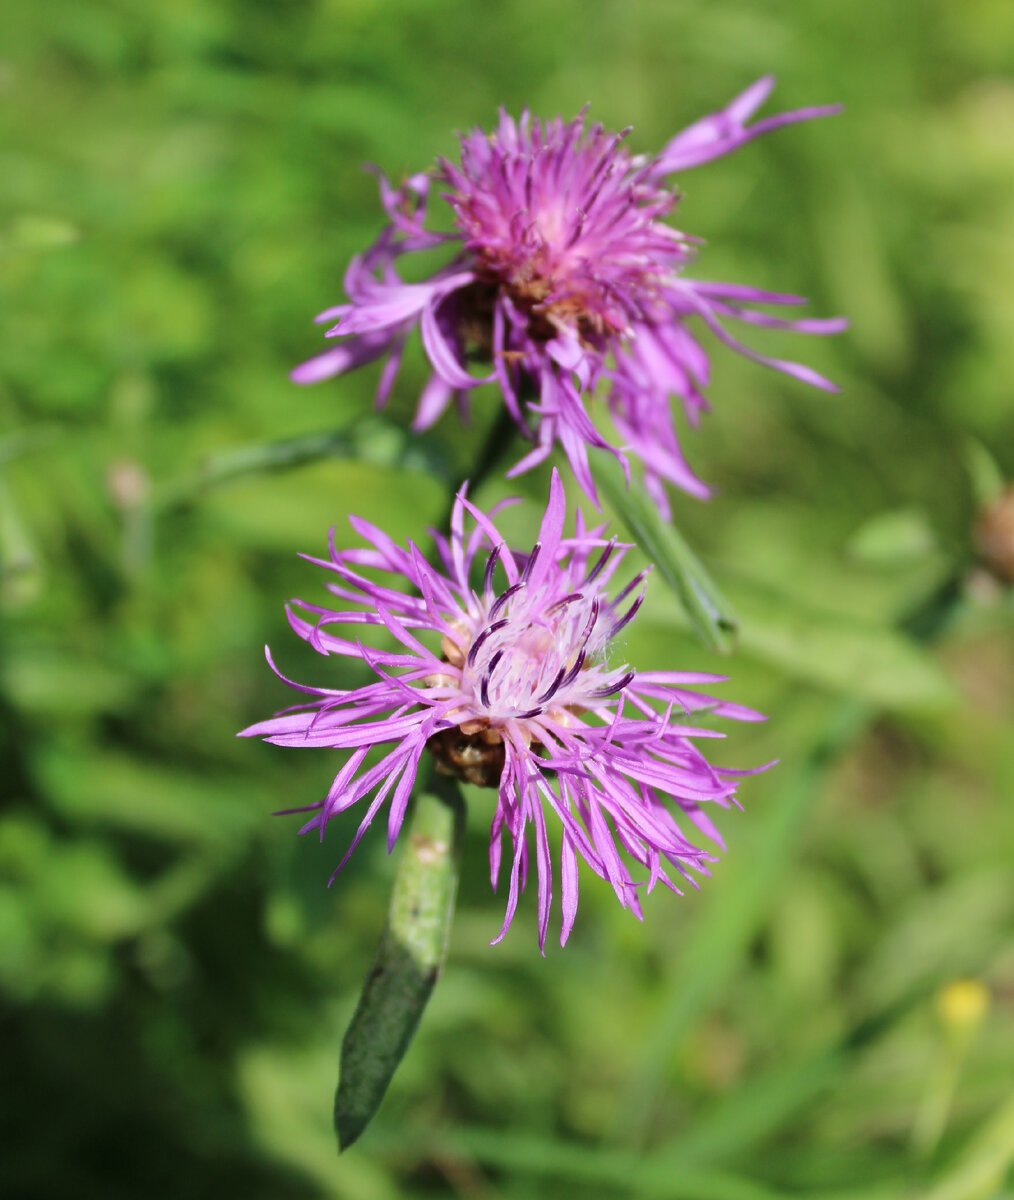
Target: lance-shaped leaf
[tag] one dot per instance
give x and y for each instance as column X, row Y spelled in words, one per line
column 707, row 608
column 408, row 961
column 371, row 439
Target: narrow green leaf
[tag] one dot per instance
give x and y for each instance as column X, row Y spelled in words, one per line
column 32, row 231
column 722, row 933
column 408, row 961
column 142, row 797
column 20, row 570
column 873, row 663
column 572, row 1164
column 762, row 1105
column 708, row 610
column 980, row 1170
column 26, row 441
column 894, row 539
column 370, row 439
column 633, row 1173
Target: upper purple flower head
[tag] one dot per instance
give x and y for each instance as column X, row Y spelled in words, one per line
column 565, row 277
column 505, row 675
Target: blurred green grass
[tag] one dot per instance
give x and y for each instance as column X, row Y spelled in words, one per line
column 179, row 193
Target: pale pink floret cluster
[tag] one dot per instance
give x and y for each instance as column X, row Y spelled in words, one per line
column 515, row 660
column 565, row 281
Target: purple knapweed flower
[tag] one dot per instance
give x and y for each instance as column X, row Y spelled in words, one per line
column 511, row 687
column 565, row 278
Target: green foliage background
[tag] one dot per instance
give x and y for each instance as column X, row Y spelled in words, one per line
column 179, row 193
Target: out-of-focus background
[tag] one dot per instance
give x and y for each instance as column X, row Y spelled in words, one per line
column 831, row 1016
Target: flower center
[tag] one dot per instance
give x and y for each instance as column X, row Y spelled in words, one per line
column 524, row 662
column 563, row 223
column 477, row 758
column 515, row 669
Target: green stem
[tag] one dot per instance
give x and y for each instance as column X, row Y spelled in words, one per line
column 494, row 449
column 371, row 439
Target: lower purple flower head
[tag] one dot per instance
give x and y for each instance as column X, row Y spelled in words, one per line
column 506, row 678
column 565, row 279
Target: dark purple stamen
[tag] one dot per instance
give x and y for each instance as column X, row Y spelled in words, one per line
column 593, row 616
column 635, row 582
column 494, row 558
column 553, row 687
column 501, row 601
column 563, row 603
column 628, row 616
column 604, row 557
column 613, row 688
column 533, row 558
column 487, row 676
column 486, row 633
column 574, row 671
